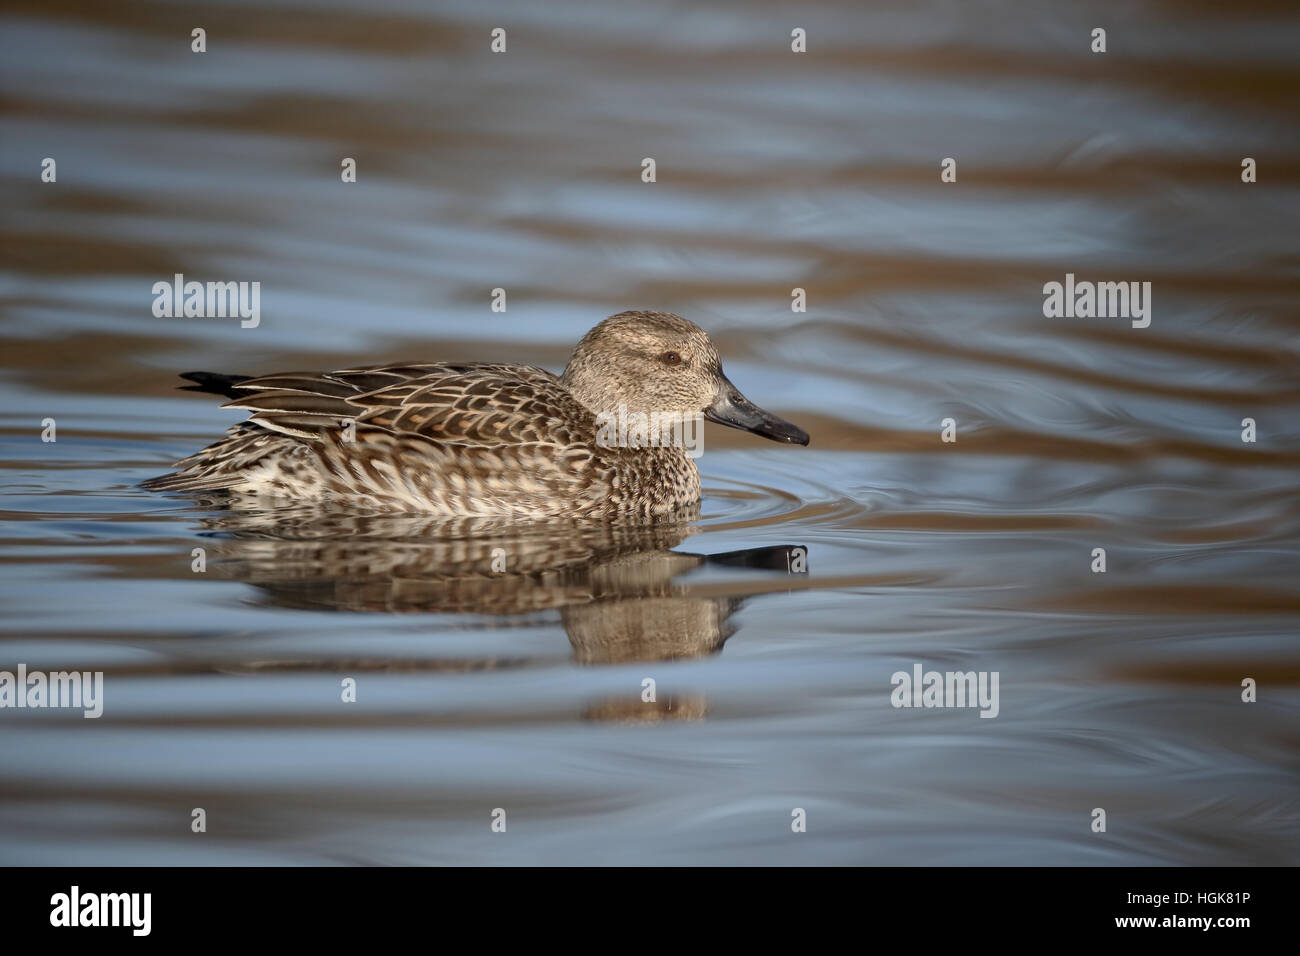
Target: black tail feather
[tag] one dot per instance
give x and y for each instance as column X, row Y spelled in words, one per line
column 215, row 383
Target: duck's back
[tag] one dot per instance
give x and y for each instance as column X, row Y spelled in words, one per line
column 464, row 403
column 447, row 438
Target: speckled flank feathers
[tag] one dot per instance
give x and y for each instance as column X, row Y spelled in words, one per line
column 475, row 439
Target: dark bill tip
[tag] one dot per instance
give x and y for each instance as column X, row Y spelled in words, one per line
column 736, row 411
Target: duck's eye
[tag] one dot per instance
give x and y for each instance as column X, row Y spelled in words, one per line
column 671, row 358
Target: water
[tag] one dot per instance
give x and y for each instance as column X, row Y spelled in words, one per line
column 1119, row 690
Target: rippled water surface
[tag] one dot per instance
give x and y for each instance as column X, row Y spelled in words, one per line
column 775, row 170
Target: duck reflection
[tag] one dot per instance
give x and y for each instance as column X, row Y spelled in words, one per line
column 614, row 586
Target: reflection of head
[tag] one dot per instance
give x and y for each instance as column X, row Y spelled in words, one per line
column 648, row 629
column 635, row 710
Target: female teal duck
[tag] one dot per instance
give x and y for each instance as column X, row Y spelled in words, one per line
column 484, row 440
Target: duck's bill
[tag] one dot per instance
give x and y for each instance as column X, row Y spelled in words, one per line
column 736, row 411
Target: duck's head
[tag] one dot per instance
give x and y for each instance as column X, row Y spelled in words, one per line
column 659, row 362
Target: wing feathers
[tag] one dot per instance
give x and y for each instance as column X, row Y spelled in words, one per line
column 462, row 403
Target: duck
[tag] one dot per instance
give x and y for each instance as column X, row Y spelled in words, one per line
column 485, row 440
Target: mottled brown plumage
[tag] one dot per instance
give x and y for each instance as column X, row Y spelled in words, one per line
column 480, row 439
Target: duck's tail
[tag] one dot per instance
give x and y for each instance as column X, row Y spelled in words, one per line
column 201, row 472
column 215, row 383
